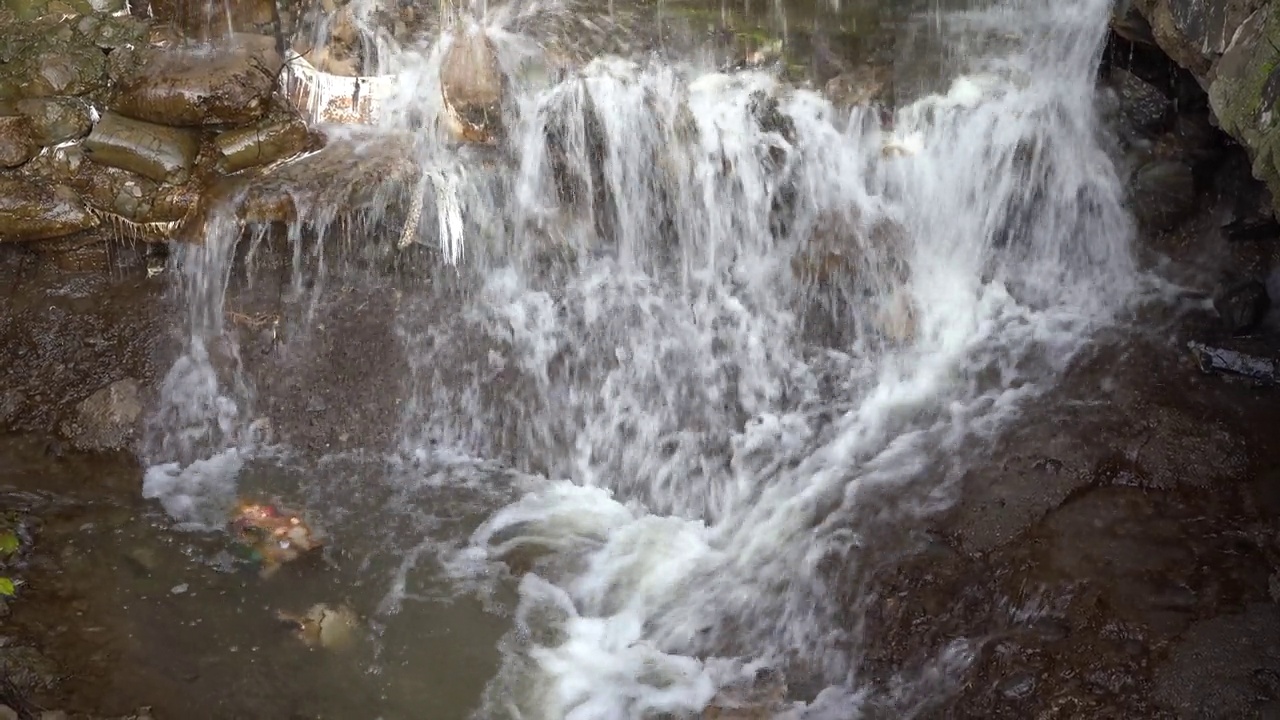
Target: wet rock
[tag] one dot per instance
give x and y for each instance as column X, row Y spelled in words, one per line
column 163, row 154
column 16, row 145
column 1017, row 687
column 27, row 669
column 8, row 713
column 106, row 420
column 865, row 85
column 1242, row 306
column 1163, row 194
column 191, row 87
column 472, row 87
column 260, row 144
column 55, row 120
column 1128, row 23
column 110, row 32
column 1143, row 107
column 1231, row 362
column 1211, row 671
column 761, row 698
column 32, row 210
column 1194, row 33
column 64, row 64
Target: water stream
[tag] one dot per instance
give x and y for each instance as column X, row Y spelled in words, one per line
column 706, row 337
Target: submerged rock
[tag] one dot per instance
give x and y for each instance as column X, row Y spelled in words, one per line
column 192, row 87
column 1242, row 306
column 163, row 154
column 16, row 145
column 107, row 420
column 30, row 210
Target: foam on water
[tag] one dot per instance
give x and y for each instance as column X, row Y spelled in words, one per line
column 712, row 429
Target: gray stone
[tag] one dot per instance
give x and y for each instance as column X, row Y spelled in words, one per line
column 1163, row 194
column 1194, row 33
column 107, row 419
column 1142, row 105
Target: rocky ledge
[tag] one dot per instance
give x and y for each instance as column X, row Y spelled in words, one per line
column 1232, row 50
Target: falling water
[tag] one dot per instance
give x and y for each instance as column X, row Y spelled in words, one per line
column 734, row 334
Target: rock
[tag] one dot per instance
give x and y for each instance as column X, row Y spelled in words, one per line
column 16, row 146
column 865, row 85
column 57, row 67
column 163, row 154
column 53, row 715
column 1127, row 22
column 260, row 144
column 1242, row 306
column 56, row 119
column 472, row 87
column 1213, row 360
column 1143, row 107
column 193, row 87
column 1194, row 33
column 107, row 419
column 8, row 713
column 761, row 698
column 1163, row 194
column 34, row 211
column 109, row 32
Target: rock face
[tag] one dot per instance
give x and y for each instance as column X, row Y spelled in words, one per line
column 1232, row 47
column 31, row 211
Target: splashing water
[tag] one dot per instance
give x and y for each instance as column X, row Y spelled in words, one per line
column 744, row 336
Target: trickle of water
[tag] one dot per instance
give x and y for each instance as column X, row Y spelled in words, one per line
column 741, row 335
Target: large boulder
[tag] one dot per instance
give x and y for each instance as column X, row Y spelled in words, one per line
column 106, row 420
column 197, row 86
column 32, row 210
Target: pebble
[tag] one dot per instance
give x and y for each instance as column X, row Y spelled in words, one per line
column 179, row 589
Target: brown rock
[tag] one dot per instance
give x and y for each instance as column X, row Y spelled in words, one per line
column 164, row 154
column 16, row 147
column 32, row 211
column 860, row 86
column 56, row 119
column 260, row 144
column 472, row 86
column 192, row 87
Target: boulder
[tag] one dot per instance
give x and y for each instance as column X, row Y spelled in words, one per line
column 164, row 154
column 1127, row 22
column 868, row 84
column 472, row 87
column 107, row 420
column 64, row 63
column 55, row 119
column 1142, row 106
column 16, row 146
column 1242, row 306
column 1244, row 89
column 1163, row 194
column 260, row 144
column 1195, row 33
column 198, row 86
column 38, row 211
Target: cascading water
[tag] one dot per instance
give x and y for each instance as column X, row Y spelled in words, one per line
column 732, row 336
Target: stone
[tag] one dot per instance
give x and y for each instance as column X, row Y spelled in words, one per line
column 16, row 146
column 260, row 144
column 58, row 67
column 1194, row 33
column 8, row 713
column 164, row 154
column 1242, row 306
column 1127, row 22
column 472, row 87
column 200, row 86
column 1163, row 194
column 864, row 85
column 107, row 420
column 1143, row 107
column 54, row 715
column 56, row 119
column 109, row 33
column 36, row 211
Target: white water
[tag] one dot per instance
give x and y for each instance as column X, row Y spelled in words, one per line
column 706, row 449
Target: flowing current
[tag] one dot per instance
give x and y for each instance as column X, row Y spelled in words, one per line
column 698, row 347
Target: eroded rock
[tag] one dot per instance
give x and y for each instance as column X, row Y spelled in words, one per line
column 163, row 154
column 30, row 210
column 107, row 420
column 260, row 144
column 56, row 119
column 472, row 87
column 193, row 87
column 16, row 145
